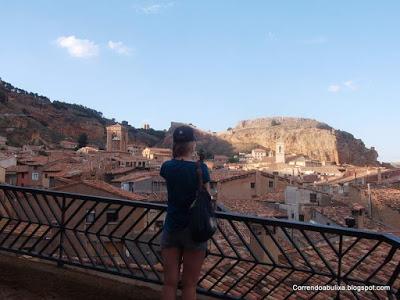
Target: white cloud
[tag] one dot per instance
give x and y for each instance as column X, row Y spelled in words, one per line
column 351, row 85
column 347, row 85
column 155, row 8
column 78, row 47
column 316, row 40
column 271, row 36
column 119, row 47
column 334, row 88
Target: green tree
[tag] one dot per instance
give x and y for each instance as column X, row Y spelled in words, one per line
column 3, row 97
column 275, row 123
column 82, row 140
column 233, row 159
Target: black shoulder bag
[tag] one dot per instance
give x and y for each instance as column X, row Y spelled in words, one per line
column 202, row 218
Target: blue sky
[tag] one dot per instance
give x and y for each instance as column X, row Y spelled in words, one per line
column 213, row 63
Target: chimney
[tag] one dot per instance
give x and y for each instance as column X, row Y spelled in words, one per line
column 258, row 183
column 358, row 213
column 264, row 237
column 379, row 176
column 369, row 201
column 276, row 180
column 350, row 222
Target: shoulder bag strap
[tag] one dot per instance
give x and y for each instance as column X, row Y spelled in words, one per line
column 199, row 172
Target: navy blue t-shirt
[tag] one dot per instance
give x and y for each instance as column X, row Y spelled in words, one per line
column 182, row 183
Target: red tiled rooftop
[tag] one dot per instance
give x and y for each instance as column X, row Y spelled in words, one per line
column 121, row 170
column 136, row 176
column 389, row 196
column 18, row 169
column 224, row 174
column 252, row 207
column 108, row 188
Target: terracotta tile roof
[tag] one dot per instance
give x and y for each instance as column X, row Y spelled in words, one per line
column 156, row 197
column 34, row 160
column 64, row 180
column 338, row 214
column 252, row 207
column 161, row 150
column 121, row 170
column 62, row 164
column 18, row 169
column 277, row 196
column 68, row 169
column 388, row 196
column 224, row 174
column 139, row 175
column 104, row 186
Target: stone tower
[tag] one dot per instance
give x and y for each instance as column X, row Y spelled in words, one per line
column 280, row 152
column 117, row 138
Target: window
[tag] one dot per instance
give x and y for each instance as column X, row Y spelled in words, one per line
column 90, row 216
column 112, row 216
column 270, row 184
column 125, row 186
column 22, row 175
column 313, row 197
column 292, row 215
column 35, row 176
column 301, row 218
column 252, row 185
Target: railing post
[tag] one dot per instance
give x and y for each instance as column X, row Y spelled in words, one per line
column 339, row 270
column 62, row 232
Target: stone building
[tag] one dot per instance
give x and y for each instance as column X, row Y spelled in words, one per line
column 258, row 153
column 117, row 138
column 157, row 155
column 230, row 185
column 299, row 200
column 280, row 152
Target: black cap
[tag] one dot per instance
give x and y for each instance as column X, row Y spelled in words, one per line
column 184, row 134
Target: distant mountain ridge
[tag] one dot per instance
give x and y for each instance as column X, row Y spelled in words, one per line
column 303, row 136
column 24, row 116
column 27, row 117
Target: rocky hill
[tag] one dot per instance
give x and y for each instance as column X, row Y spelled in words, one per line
column 27, row 117
column 301, row 136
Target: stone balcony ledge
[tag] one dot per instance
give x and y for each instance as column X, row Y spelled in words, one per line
column 26, row 278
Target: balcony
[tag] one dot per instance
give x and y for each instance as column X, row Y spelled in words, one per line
column 248, row 257
column 26, row 278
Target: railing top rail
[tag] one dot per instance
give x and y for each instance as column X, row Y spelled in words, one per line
column 361, row 233
column 123, row 237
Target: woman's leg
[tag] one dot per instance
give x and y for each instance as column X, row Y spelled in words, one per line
column 171, row 262
column 192, row 262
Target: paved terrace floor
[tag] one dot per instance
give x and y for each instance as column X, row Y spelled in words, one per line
column 24, row 278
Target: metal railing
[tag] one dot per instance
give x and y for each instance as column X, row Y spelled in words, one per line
column 248, row 257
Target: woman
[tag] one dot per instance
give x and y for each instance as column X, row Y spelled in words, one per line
column 176, row 242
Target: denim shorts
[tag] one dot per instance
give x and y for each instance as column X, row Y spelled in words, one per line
column 181, row 239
